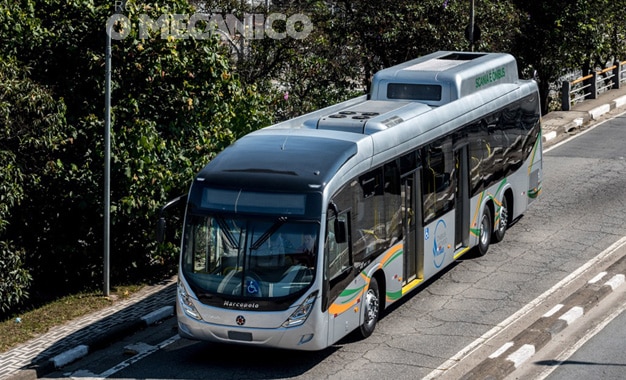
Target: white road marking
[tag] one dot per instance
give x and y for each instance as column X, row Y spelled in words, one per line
column 598, row 277
column 147, row 351
column 142, row 350
column 582, row 133
column 521, row 355
column 570, row 351
column 572, row 314
column 501, row 350
column 486, row 337
column 553, row 311
column 616, row 281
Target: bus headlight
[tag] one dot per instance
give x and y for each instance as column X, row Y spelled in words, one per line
column 302, row 312
column 186, row 303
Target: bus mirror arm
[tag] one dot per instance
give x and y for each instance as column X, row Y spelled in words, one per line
column 339, row 225
column 161, row 224
column 340, row 231
column 160, row 231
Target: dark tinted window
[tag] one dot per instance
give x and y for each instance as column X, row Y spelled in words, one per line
column 413, row 91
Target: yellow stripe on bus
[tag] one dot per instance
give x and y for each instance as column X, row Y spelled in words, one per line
column 411, row 285
column 461, row 253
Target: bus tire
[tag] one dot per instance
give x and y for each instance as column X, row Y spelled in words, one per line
column 486, row 227
column 371, row 305
column 503, row 221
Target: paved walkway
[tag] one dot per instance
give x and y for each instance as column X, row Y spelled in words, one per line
column 559, row 124
column 65, row 343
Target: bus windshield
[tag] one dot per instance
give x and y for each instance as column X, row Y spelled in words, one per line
column 248, row 257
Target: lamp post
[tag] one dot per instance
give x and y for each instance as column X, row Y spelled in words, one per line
column 119, row 8
column 107, row 161
column 470, row 33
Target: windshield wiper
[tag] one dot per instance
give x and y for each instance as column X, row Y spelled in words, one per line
column 226, row 230
column 266, row 235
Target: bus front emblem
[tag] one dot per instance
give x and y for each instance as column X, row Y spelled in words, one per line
column 240, row 320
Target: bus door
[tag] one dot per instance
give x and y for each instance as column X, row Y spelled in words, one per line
column 462, row 213
column 413, row 228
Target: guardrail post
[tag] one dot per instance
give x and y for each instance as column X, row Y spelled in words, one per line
column 617, row 75
column 565, row 95
column 593, row 89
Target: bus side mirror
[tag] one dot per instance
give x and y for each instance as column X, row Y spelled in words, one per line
column 341, row 231
column 160, row 230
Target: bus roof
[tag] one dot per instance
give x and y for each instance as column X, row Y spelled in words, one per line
column 306, row 152
column 444, row 76
column 282, row 160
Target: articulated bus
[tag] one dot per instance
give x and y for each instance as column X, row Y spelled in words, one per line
column 303, row 232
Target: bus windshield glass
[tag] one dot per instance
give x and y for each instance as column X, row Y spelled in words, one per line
column 248, row 257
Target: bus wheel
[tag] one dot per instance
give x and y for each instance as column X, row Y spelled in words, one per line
column 503, row 223
column 486, row 226
column 372, row 307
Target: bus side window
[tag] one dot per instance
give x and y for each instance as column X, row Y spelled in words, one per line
column 439, row 185
column 480, row 151
column 337, row 252
column 339, row 270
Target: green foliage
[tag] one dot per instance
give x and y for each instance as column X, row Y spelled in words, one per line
column 299, row 75
column 14, row 279
column 175, row 104
column 558, row 37
column 350, row 41
column 30, row 133
column 18, row 20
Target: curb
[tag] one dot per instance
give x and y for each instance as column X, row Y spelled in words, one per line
column 588, row 116
column 114, row 334
column 510, row 356
column 596, row 112
column 103, row 340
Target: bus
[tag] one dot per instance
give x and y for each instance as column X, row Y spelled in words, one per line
column 303, row 232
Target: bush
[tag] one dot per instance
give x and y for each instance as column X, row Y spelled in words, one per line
column 175, row 103
column 14, row 279
column 29, row 130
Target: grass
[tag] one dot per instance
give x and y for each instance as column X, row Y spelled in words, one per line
column 38, row 321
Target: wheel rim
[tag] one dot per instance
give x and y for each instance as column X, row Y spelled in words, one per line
column 484, row 227
column 371, row 302
column 504, row 214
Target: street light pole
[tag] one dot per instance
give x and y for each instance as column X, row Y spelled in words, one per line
column 471, row 27
column 107, row 162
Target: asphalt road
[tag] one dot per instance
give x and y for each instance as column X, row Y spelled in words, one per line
column 601, row 357
column 450, row 326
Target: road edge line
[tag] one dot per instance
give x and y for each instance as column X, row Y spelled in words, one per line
column 469, row 349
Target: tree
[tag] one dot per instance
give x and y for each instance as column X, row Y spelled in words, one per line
column 561, row 37
column 349, row 42
column 303, row 68
column 176, row 102
column 182, row 94
column 31, row 132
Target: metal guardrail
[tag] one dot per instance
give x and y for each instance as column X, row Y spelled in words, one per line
column 590, row 86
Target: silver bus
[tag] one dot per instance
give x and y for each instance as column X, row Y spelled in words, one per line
column 303, row 232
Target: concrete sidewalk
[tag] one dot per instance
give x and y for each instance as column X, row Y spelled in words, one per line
column 559, row 125
column 75, row 339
